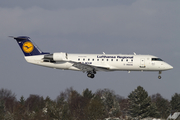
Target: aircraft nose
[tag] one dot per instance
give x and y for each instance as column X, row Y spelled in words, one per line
column 169, row 67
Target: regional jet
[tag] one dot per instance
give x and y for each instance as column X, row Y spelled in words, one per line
column 90, row 63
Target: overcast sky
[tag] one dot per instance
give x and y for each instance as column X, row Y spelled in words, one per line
column 89, row 26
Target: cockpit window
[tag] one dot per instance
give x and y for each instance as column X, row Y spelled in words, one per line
column 157, row 59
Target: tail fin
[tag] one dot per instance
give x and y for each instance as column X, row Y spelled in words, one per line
column 28, row 48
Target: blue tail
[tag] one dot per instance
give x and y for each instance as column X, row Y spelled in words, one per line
column 28, row 48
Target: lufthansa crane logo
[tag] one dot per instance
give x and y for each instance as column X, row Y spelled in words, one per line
column 28, row 47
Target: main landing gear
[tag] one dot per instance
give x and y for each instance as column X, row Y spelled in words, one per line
column 159, row 74
column 91, row 74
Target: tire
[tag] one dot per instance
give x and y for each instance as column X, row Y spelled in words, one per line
column 159, row 77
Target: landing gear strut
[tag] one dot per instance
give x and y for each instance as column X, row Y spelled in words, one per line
column 159, row 74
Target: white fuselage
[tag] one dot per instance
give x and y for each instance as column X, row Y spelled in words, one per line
column 90, row 63
column 114, row 62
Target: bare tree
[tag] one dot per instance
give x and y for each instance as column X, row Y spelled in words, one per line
column 163, row 105
column 110, row 102
column 34, row 103
column 8, row 98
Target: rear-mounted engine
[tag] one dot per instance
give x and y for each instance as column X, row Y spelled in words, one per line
column 56, row 57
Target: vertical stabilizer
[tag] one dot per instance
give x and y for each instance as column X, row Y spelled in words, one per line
column 28, row 48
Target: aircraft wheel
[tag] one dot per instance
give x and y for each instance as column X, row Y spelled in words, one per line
column 90, row 75
column 159, row 74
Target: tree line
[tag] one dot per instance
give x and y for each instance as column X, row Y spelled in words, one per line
column 71, row 105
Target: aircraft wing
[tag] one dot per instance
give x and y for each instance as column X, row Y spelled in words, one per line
column 83, row 67
column 86, row 67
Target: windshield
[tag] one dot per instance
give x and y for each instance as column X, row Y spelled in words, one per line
column 157, row 59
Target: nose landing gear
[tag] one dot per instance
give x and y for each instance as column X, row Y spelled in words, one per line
column 159, row 74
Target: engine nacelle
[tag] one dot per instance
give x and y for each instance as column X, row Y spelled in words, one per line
column 60, row 56
column 55, row 57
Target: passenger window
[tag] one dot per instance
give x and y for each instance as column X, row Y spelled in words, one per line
column 116, row 59
column 83, row 59
column 131, row 60
column 122, row 60
column 88, row 59
column 92, row 59
column 111, row 59
column 79, row 59
column 127, row 60
column 107, row 59
column 97, row 59
column 102, row 59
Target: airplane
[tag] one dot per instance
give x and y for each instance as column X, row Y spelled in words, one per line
column 90, row 63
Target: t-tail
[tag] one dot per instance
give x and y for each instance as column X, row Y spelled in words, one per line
column 28, row 48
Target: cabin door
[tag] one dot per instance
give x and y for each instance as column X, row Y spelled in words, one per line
column 142, row 63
